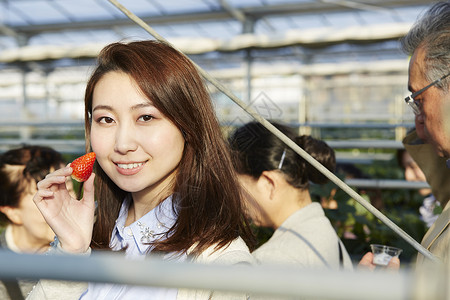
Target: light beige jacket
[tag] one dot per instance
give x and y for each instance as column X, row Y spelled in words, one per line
column 437, row 238
column 432, row 280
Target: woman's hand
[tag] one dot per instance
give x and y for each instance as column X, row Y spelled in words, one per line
column 72, row 220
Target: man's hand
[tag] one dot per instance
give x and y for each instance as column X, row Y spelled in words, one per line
column 366, row 263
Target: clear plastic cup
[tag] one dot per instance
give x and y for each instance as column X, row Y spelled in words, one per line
column 382, row 254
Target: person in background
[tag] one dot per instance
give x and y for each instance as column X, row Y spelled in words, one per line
column 164, row 181
column 432, row 165
column 277, row 181
column 25, row 229
column 413, row 173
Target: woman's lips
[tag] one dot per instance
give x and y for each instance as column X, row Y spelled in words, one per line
column 129, row 168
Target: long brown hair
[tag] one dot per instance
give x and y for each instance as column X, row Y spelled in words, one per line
column 206, row 194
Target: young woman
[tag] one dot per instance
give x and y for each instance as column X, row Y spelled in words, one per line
column 277, row 181
column 25, row 229
column 164, row 181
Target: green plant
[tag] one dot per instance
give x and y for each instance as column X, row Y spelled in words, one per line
column 358, row 228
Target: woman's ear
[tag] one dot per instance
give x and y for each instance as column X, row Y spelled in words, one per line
column 269, row 181
column 12, row 213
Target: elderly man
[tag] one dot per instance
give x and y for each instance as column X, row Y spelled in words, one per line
column 428, row 43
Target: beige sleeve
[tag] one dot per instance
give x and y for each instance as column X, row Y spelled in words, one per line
column 57, row 290
column 235, row 254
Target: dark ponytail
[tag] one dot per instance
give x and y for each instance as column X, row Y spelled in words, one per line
column 321, row 152
column 255, row 149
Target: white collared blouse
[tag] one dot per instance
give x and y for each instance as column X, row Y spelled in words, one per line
column 135, row 238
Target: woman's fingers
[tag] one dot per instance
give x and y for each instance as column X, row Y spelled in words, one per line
column 52, row 183
column 88, row 191
column 41, row 194
column 66, row 171
column 57, row 177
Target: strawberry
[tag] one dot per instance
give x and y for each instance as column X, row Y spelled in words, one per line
column 82, row 167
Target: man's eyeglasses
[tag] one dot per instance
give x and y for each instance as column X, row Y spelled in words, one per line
column 416, row 104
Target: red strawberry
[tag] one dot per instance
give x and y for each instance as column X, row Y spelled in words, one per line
column 82, row 167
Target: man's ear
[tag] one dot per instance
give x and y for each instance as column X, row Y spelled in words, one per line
column 12, row 213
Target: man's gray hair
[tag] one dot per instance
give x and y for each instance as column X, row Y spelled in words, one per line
column 432, row 33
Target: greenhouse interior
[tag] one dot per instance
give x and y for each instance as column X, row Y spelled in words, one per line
column 332, row 69
column 318, row 64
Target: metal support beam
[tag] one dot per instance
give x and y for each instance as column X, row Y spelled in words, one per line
column 6, row 30
column 235, row 13
column 357, row 5
column 256, row 12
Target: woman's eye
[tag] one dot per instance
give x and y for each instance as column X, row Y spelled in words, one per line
column 106, row 120
column 145, row 118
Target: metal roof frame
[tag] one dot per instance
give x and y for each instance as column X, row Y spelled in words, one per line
column 225, row 12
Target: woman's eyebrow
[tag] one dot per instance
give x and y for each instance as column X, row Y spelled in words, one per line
column 105, row 107
column 142, row 105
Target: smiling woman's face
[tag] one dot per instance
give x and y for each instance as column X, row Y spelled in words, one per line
column 136, row 145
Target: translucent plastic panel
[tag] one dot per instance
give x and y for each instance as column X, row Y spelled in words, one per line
column 33, row 12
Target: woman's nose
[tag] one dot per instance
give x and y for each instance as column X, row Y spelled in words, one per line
column 125, row 139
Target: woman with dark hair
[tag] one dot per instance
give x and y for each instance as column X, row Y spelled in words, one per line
column 277, row 181
column 164, row 181
column 20, row 171
column 25, row 229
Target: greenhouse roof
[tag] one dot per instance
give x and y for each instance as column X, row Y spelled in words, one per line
column 51, row 29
